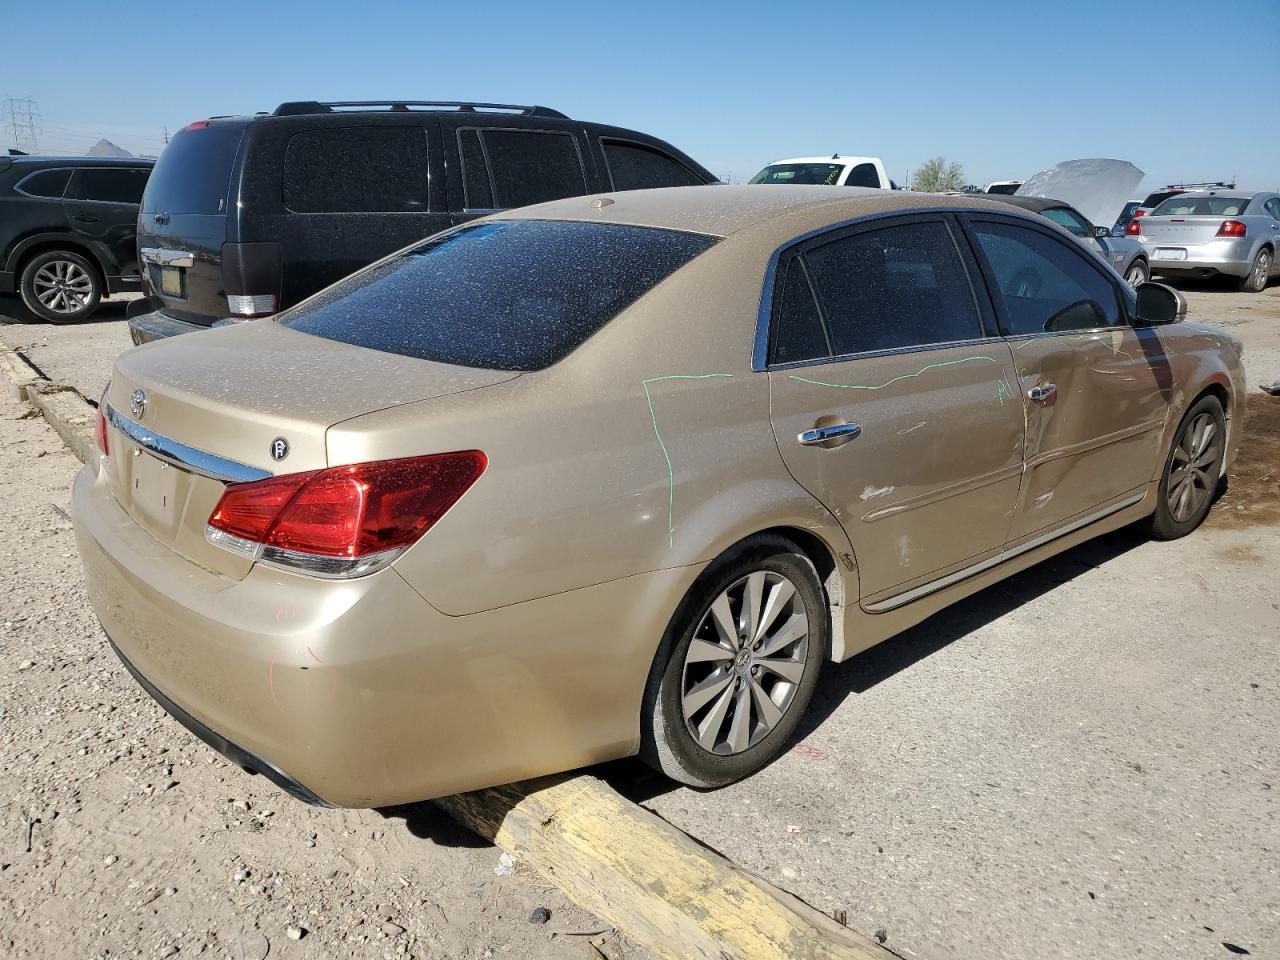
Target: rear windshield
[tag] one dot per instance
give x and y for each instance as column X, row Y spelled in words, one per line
column 1185, row 206
column 194, row 171
column 822, row 174
column 1155, row 199
column 504, row 295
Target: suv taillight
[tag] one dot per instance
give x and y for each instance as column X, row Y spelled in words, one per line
column 100, row 431
column 343, row 521
column 1232, row 228
column 251, row 276
column 251, row 305
column 1133, row 228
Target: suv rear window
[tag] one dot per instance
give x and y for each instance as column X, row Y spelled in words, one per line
column 503, row 295
column 193, row 173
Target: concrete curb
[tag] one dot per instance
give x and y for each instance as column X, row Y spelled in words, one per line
column 625, row 864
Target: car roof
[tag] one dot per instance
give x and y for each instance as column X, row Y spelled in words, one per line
column 719, row 210
column 80, row 161
column 1034, row 204
column 838, row 158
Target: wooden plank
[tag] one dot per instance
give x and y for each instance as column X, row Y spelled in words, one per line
column 650, row 880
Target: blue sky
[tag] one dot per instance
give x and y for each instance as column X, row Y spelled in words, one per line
column 1187, row 91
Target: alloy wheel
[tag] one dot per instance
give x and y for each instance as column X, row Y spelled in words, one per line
column 1136, row 275
column 62, row 286
column 1261, row 270
column 1190, row 483
column 744, row 663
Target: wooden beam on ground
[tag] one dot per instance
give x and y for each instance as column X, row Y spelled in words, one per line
column 652, row 882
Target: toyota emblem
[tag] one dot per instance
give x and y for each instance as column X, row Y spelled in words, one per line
column 279, row 448
column 138, row 404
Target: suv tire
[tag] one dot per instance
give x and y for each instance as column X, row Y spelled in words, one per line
column 60, row 286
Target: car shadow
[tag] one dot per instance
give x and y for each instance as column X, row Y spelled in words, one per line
column 13, row 311
column 873, row 667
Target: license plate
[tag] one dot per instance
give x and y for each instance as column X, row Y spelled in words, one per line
column 1170, row 253
column 171, row 281
column 158, row 493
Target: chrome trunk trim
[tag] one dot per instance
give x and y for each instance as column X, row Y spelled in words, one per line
column 182, row 456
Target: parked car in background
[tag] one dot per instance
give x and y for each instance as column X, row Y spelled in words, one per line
column 68, row 231
column 1212, row 233
column 248, row 215
column 1128, row 213
column 579, row 481
column 1154, row 199
column 1002, row 187
column 1126, row 257
column 832, row 171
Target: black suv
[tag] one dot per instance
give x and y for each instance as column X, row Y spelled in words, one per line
column 245, row 216
column 68, row 231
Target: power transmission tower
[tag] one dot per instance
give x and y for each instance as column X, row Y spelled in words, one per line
column 24, row 123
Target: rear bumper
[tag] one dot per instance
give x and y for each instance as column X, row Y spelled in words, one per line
column 359, row 693
column 147, row 327
column 1229, row 257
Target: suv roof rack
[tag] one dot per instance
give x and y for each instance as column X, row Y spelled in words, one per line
column 1206, row 185
column 295, row 108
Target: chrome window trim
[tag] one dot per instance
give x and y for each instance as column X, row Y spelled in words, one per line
column 760, row 349
column 180, row 455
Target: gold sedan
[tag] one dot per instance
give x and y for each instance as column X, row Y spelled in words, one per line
column 618, row 474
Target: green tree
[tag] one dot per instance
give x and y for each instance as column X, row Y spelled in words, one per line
column 938, row 176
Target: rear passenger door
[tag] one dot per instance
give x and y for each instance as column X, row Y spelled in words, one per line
column 101, row 204
column 504, row 164
column 892, row 399
column 1095, row 390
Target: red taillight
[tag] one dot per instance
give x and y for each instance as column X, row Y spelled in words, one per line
column 101, row 429
column 197, row 125
column 1139, row 213
column 1232, row 228
column 1133, row 228
column 348, row 513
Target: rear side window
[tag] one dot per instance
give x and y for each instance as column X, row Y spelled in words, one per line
column 863, row 175
column 522, row 167
column 798, row 333
column 636, row 167
column 1273, row 207
column 505, row 295
column 110, row 185
column 193, row 174
column 357, row 170
column 44, row 183
column 900, row 286
column 1046, row 286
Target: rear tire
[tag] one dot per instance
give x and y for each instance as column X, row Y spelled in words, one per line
column 1259, row 274
column 737, row 666
column 60, row 286
column 1137, row 273
column 1191, row 472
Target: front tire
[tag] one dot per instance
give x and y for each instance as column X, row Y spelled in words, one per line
column 737, row 666
column 1191, row 472
column 60, row 286
column 1137, row 273
column 1259, row 273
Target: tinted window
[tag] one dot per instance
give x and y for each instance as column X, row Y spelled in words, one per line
column 897, row 287
column 194, row 172
column 531, row 166
column 825, row 174
column 513, row 295
column 863, row 175
column 1065, row 217
column 475, row 173
column 1185, row 206
column 634, row 167
column 111, row 186
column 46, row 183
column 357, row 170
column 797, row 328
column 1046, row 285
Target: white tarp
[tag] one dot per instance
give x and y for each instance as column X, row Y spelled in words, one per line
column 1097, row 188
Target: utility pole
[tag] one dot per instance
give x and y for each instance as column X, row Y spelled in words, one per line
column 23, row 121
column 166, row 133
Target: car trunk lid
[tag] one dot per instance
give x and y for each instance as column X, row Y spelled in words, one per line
column 191, row 414
column 1180, row 231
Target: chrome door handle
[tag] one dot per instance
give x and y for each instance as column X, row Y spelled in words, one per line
column 1046, row 395
column 834, row 435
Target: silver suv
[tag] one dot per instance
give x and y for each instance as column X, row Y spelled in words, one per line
column 1207, row 233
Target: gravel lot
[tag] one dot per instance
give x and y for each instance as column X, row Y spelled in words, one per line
column 1081, row 760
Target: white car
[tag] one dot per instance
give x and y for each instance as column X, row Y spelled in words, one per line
column 832, row 171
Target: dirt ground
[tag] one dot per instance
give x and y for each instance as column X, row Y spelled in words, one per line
column 1079, row 761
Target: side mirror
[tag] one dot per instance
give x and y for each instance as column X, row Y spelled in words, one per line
column 1101, row 233
column 1158, row 305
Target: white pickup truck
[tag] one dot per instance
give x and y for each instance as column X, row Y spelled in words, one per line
column 832, row 171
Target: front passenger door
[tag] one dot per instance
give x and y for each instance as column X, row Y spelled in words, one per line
column 1095, row 390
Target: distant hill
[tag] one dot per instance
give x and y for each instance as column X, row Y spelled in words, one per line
column 105, row 148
